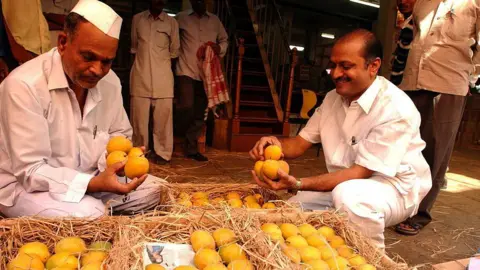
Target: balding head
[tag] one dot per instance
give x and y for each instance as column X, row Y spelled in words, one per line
column 356, row 58
column 372, row 48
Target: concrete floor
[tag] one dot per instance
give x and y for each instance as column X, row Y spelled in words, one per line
column 454, row 233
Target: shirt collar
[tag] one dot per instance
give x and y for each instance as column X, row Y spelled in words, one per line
column 191, row 12
column 58, row 79
column 161, row 16
column 368, row 97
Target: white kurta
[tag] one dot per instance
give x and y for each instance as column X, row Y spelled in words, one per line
column 45, row 143
column 379, row 131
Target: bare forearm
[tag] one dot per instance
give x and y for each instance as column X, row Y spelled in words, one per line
column 294, row 147
column 327, row 182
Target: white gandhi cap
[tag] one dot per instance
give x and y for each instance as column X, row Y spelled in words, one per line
column 100, row 15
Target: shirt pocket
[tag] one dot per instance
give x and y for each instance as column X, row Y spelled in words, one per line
column 99, row 147
column 162, row 39
column 458, row 24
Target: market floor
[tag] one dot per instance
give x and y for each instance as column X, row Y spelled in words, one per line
column 454, row 233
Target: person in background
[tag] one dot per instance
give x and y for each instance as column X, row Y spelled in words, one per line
column 155, row 41
column 197, row 28
column 57, row 114
column 4, row 48
column 55, row 12
column 404, row 41
column 27, row 29
column 444, row 58
column 370, row 132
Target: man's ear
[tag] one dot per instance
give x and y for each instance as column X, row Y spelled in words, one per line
column 375, row 66
column 62, row 42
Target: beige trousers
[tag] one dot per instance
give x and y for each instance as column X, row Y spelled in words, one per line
column 145, row 197
column 162, row 124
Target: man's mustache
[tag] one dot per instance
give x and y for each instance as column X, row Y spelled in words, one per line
column 342, row 79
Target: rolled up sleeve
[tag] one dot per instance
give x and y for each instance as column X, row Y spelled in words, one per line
column 311, row 132
column 385, row 146
column 26, row 140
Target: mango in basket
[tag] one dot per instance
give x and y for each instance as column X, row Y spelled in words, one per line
column 136, row 167
column 309, row 253
column 258, row 167
column 72, row 245
column 200, row 202
column 119, row 143
column 345, row 251
column 135, row 152
column 288, row 230
column 204, row 257
column 338, row 263
column 268, row 205
column 273, row 231
column 26, row 261
column 327, row 232
column 217, row 266
column 36, row 248
column 317, row 265
column 250, row 199
column 62, row 260
column 317, row 240
column 202, row 239
column 366, row 267
column 259, row 198
column 218, row 201
column 273, row 152
column 199, row 196
column 154, row 266
column 94, row 266
column 292, row 254
column 233, row 195
column 183, row 196
column 185, row 203
column 232, row 252
column 357, row 260
column 296, row 241
column 235, row 203
column 253, row 205
column 240, row 265
column 93, row 257
column 306, row 230
column 224, row 236
column 328, row 252
column 100, row 246
column 336, row 241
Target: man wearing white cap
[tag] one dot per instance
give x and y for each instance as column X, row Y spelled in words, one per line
column 57, row 113
column 155, row 42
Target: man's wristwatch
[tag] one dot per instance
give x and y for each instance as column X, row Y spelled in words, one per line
column 298, row 185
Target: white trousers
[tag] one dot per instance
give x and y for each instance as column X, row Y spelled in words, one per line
column 145, row 197
column 162, row 120
column 371, row 205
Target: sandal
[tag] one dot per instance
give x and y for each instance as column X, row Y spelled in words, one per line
column 408, row 228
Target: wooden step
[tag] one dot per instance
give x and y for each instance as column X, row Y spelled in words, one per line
column 256, row 103
column 253, row 60
column 256, row 88
column 258, row 119
column 252, row 73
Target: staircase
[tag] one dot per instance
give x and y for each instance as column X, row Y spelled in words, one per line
column 260, row 68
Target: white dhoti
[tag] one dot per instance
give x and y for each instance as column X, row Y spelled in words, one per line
column 145, row 197
column 371, row 205
column 162, row 120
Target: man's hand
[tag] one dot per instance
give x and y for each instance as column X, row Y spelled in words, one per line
column 107, row 181
column 285, row 182
column 216, row 48
column 3, row 70
column 257, row 152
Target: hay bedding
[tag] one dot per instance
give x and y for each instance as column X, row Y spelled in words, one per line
column 129, row 234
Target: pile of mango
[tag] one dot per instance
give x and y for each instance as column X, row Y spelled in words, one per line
column 233, row 199
column 70, row 253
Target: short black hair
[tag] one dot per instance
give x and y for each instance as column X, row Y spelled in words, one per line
column 373, row 48
column 71, row 23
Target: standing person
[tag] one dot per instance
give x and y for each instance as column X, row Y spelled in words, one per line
column 197, row 28
column 404, row 41
column 155, row 42
column 439, row 68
